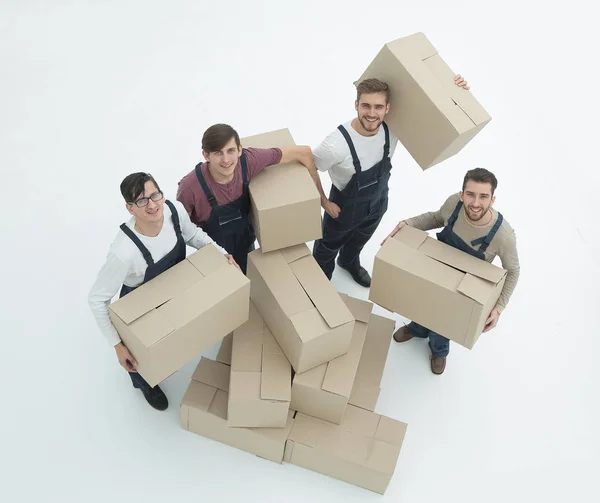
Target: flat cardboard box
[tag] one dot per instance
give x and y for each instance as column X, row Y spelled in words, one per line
column 431, row 116
column 286, row 206
column 323, row 392
column 306, row 315
column 436, row 285
column 261, row 377
column 367, row 384
column 224, row 353
column 363, row 450
column 173, row 318
column 204, row 412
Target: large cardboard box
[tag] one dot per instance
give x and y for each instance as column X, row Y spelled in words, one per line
column 261, row 377
column 367, row 384
column 204, row 411
column 436, row 285
column 171, row 319
column 323, row 392
column 286, row 206
column 362, row 450
column 306, row 315
column 432, row 117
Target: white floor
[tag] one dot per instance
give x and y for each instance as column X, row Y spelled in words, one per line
column 91, row 91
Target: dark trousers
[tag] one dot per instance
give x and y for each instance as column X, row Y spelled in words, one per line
column 138, row 381
column 440, row 346
column 346, row 235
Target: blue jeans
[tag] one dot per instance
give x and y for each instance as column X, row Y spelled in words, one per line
column 440, row 346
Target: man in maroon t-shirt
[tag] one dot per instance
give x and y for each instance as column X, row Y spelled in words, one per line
column 215, row 193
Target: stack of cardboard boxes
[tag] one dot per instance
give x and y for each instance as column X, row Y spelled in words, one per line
column 299, row 369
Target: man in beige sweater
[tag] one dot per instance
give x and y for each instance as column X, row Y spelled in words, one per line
column 473, row 226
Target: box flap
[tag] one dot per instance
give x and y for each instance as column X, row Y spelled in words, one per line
column 224, row 354
column 151, row 328
column 309, row 324
column 476, row 288
column 213, row 373
column 276, row 378
column 156, row 291
column 208, row 259
column 360, row 421
column 461, row 260
column 294, row 253
column 411, row 236
column 360, row 309
column 321, row 292
column 199, row 395
column 246, row 354
column 312, row 378
column 390, row 431
column 276, row 138
column 244, row 386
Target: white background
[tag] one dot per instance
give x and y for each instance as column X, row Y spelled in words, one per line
column 91, row 91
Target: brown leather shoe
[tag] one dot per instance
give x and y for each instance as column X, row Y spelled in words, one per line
column 438, row 364
column 403, row 334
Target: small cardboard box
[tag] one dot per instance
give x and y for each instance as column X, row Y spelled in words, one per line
column 323, row 392
column 436, row 285
column 363, row 450
column 367, row 383
column 286, row 206
column 171, row 319
column 261, row 377
column 432, row 117
column 204, row 411
column 306, row 315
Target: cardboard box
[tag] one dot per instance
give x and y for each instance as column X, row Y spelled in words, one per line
column 224, row 353
column 362, row 450
column 432, row 117
column 306, row 315
column 171, row 319
column 286, row 206
column 436, row 285
column 323, row 392
column 204, row 411
column 367, row 383
column 261, row 377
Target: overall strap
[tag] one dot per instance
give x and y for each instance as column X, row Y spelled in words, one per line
column 386, row 147
column 454, row 215
column 488, row 239
column 355, row 160
column 139, row 244
column 207, row 192
column 174, row 217
column 244, row 168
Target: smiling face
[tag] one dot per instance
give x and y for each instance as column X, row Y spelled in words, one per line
column 477, row 199
column 152, row 212
column 372, row 109
column 222, row 163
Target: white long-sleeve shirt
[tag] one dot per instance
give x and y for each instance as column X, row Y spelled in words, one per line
column 125, row 264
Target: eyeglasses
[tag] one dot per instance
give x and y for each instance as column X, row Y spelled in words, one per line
column 143, row 201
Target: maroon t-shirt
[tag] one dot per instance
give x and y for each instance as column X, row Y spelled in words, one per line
column 191, row 195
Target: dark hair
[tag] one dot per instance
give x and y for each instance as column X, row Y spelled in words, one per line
column 132, row 186
column 217, row 136
column 369, row 86
column 481, row 175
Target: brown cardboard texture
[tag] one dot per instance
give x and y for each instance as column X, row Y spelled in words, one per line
column 363, row 450
column 432, row 117
column 261, row 377
column 436, row 285
column 367, row 383
column 171, row 319
column 286, row 206
column 204, row 411
column 224, row 353
column 323, row 392
column 307, row 317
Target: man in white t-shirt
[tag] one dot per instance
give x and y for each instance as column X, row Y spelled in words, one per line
column 357, row 156
column 153, row 240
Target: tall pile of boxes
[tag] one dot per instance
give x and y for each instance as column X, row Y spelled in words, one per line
column 299, row 370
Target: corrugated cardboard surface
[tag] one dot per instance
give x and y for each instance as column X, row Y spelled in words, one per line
column 286, row 206
column 204, row 411
column 432, row 117
column 260, row 387
column 323, row 391
column 362, row 450
column 174, row 317
column 309, row 320
column 443, row 289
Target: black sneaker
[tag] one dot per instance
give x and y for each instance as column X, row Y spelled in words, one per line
column 359, row 274
column 155, row 397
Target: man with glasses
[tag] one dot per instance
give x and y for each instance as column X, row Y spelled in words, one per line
column 147, row 245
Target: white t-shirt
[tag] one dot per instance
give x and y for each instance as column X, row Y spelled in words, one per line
column 333, row 154
column 125, row 264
